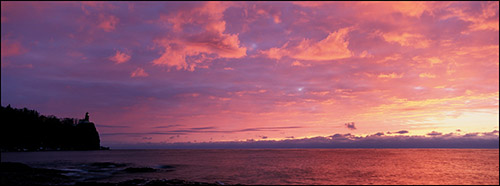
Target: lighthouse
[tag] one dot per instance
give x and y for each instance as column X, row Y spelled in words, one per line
column 86, row 119
column 87, row 116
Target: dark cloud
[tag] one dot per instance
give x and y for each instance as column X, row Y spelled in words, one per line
column 337, row 136
column 111, row 126
column 167, row 126
column 401, row 132
column 492, row 133
column 471, row 134
column 434, row 133
column 350, row 126
column 266, row 129
column 202, row 130
column 379, row 134
column 147, row 138
column 141, row 134
column 347, row 136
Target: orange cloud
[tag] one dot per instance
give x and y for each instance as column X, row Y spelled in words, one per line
column 334, row 46
column 390, row 76
column 139, row 72
column 299, row 64
column 407, row 39
column 426, row 75
column 120, row 57
column 319, row 93
column 427, row 61
column 393, row 57
column 413, row 8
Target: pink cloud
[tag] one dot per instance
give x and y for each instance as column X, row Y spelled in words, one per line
column 211, row 42
column 139, row 72
column 415, row 9
column 377, row 9
column 11, row 48
column 486, row 19
column 120, row 57
column 108, row 22
column 9, row 64
column 334, row 46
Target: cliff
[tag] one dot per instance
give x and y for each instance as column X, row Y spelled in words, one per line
column 87, row 137
column 27, row 130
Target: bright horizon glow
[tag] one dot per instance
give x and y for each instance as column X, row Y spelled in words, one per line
column 167, row 72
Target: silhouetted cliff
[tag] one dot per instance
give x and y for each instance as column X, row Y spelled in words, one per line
column 27, row 130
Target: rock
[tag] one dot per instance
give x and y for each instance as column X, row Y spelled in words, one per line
column 17, row 167
column 94, row 183
column 173, row 182
column 133, row 182
column 167, row 167
column 107, row 164
column 21, row 174
column 139, row 169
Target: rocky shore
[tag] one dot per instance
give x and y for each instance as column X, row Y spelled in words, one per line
column 22, row 174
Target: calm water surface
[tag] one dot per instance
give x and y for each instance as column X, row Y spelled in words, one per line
column 290, row 166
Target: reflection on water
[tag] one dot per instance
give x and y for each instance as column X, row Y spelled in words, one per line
column 288, row 166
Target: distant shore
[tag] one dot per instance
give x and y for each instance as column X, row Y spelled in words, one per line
column 17, row 174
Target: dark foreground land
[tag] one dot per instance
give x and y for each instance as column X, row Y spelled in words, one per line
column 27, row 130
column 21, row 174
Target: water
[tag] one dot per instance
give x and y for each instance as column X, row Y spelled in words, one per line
column 287, row 166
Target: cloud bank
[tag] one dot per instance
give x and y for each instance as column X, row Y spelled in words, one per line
column 378, row 140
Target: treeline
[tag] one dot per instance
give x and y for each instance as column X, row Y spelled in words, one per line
column 27, row 130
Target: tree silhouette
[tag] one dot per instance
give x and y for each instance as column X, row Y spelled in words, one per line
column 27, row 130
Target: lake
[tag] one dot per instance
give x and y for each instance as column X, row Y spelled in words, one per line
column 277, row 166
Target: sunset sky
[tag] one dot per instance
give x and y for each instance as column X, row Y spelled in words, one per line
column 164, row 72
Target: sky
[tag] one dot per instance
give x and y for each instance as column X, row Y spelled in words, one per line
column 158, row 73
